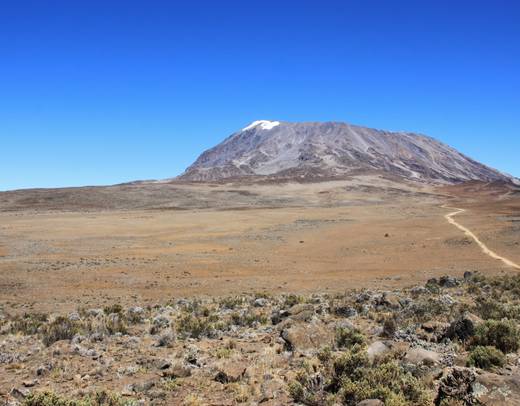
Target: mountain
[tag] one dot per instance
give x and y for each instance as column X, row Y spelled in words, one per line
column 314, row 150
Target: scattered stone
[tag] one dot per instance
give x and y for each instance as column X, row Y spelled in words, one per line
column 231, row 372
column 31, row 383
column 261, row 302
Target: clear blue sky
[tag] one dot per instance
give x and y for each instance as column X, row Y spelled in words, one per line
column 100, row 92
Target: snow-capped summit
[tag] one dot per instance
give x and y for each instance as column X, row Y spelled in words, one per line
column 263, row 124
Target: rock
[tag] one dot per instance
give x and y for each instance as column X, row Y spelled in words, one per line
column 20, row 393
column 307, row 338
column 446, row 300
column 301, row 307
column 448, row 282
column 418, row 290
column 390, row 301
column 278, row 316
column 231, row 372
column 371, row 402
column 377, row 349
column 468, row 275
column 270, row 388
column 31, row 383
column 74, row 316
column 163, row 364
column 434, row 331
column 420, row 356
column 494, row 389
column 145, row 386
column 364, row 297
column 180, row 370
column 261, row 302
column 345, row 311
column 463, row 328
column 135, row 314
column 160, row 321
column 345, row 324
column 95, row 312
column 304, row 316
column 456, row 385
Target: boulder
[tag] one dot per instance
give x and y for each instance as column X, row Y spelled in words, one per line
column 455, row 385
column 307, row 338
column 231, row 372
column 377, row 349
column 420, row 356
column 500, row 390
column 463, row 327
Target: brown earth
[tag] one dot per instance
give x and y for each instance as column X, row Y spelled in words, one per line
column 147, row 242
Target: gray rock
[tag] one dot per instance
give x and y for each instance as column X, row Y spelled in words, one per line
column 377, row 349
column 261, row 302
column 420, row 356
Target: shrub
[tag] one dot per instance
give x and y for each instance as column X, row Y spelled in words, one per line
column 29, row 323
column 486, row 357
column 231, row 302
column 291, row 300
column 115, row 308
column 60, row 329
column 346, row 338
column 190, row 326
column 489, row 308
column 98, row 399
column 503, row 334
column 247, row 319
column 114, row 323
column 352, row 378
column 389, row 327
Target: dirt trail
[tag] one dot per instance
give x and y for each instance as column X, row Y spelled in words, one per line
column 469, row 233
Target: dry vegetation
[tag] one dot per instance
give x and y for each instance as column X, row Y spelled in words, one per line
column 451, row 341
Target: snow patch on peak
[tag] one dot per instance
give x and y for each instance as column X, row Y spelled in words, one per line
column 264, row 125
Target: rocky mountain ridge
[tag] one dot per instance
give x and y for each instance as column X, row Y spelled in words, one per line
column 277, row 149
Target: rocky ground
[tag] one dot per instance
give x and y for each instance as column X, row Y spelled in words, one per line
column 449, row 342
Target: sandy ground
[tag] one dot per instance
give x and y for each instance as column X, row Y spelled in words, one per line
column 321, row 237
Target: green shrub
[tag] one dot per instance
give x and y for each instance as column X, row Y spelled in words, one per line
column 248, row 319
column 190, row 326
column 488, row 309
column 346, row 338
column 503, row 334
column 115, row 308
column 352, row 378
column 231, row 302
column 98, row 399
column 291, row 300
column 486, row 357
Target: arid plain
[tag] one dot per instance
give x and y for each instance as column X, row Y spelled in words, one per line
column 145, row 242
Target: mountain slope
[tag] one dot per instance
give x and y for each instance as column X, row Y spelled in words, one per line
column 332, row 149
